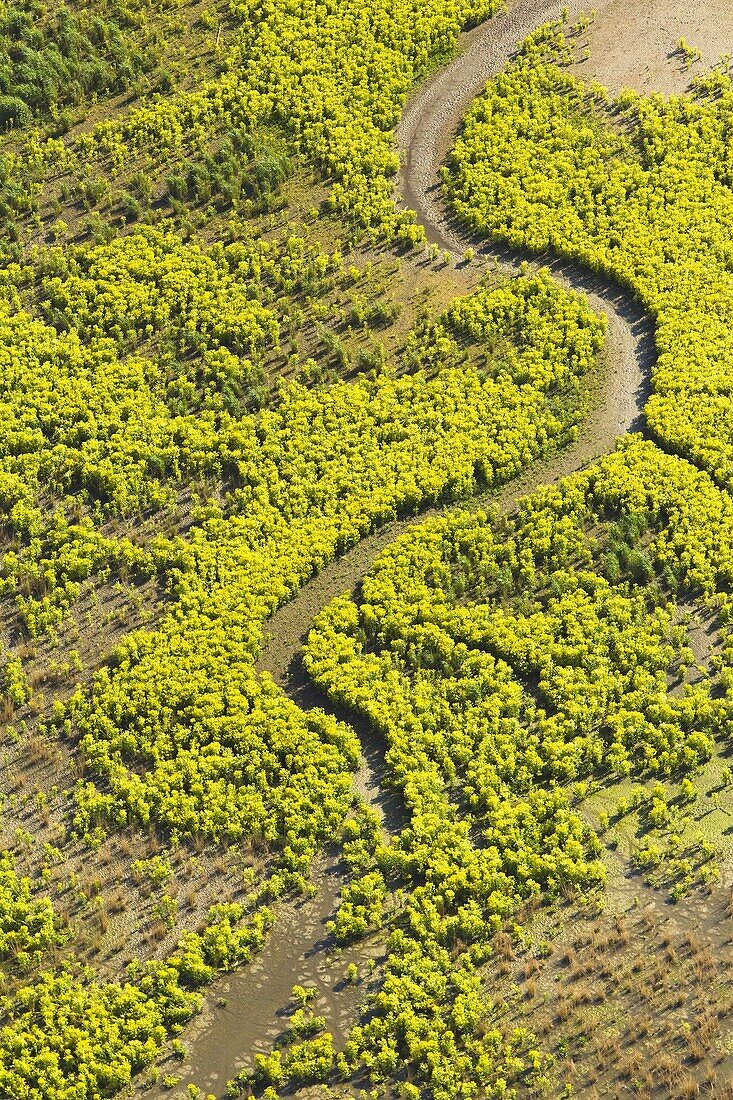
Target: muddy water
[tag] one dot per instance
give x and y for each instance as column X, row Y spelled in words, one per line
column 246, row 1012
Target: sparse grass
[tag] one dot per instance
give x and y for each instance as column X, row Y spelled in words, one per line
column 629, row 1001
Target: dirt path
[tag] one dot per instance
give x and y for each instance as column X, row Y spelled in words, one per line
column 245, row 1012
column 254, row 997
column 425, row 136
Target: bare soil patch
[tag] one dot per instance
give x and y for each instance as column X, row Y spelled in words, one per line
column 632, row 45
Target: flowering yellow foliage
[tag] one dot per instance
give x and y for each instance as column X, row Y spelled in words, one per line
column 334, row 75
column 541, row 165
column 502, row 660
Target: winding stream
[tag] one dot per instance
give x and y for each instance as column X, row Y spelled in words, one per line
column 223, row 1038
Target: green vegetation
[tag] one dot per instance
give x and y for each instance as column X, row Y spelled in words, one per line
column 509, row 664
column 52, row 56
column 638, row 189
column 333, row 78
column 330, row 467
column 140, row 358
column 225, row 360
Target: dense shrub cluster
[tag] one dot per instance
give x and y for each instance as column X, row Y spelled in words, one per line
column 52, row 55
column 174, row 737
column 500, row 661
column 639, row 189
column 27, row 922
column 500, row 665
column 333, row 76
column 181, row 731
